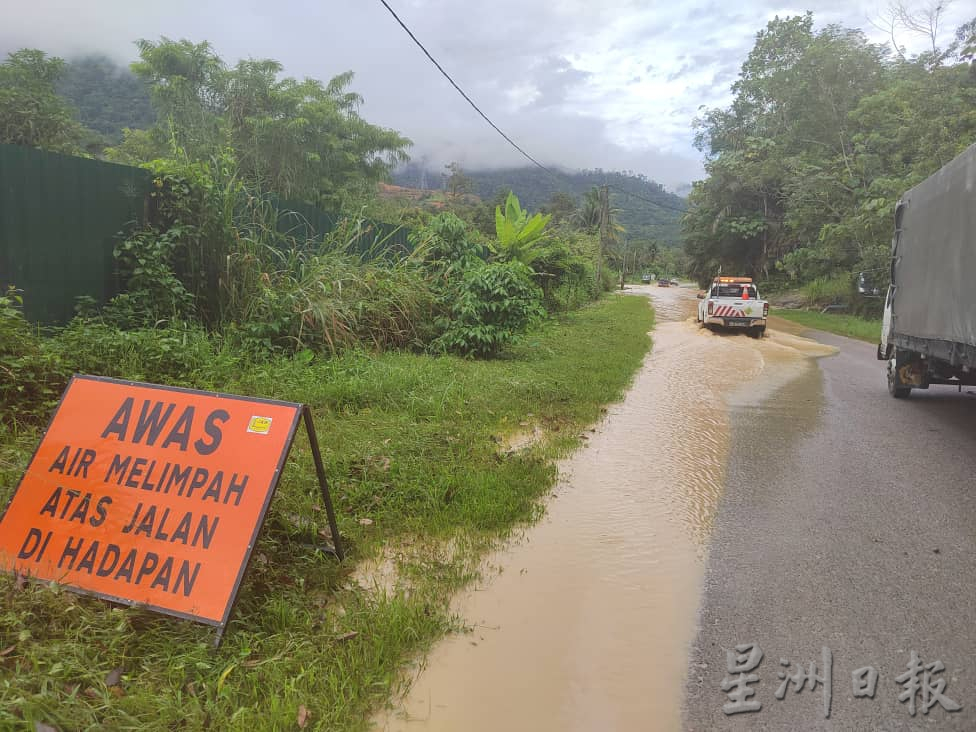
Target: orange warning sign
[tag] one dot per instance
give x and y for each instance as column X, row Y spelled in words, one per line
column 148, row 495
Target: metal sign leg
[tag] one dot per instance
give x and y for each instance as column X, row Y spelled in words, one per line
column 323, row 482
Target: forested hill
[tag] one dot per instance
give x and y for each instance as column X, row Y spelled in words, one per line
column 107, row 97
column 535, row 187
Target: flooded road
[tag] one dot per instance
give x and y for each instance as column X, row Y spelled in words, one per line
column 586, row 623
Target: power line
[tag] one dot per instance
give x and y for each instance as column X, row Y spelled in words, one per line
column 461, row 91
column 648, row 200
column 497, row 129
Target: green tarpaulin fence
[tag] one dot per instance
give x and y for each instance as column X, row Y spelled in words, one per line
column 60, row 218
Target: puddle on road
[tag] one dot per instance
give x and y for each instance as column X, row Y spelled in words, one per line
column 586, row 622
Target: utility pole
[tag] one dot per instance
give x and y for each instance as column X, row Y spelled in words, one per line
column 604, row 232
column 623, row 268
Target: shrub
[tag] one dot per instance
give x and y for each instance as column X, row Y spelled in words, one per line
column 153, row 291
column 31, row 376
column 447, row 245
column 334, row 301
column 568, row 279
column 177, row 354
column 492, row 303
column 835, row 289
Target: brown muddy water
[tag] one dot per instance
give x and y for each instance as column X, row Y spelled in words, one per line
column 585, row 622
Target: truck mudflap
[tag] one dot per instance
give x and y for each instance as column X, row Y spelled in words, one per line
column 909, row 371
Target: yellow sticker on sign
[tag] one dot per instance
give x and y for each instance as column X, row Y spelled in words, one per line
column 259, row 425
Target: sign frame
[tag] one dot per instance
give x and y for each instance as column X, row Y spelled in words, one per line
column 302, row 413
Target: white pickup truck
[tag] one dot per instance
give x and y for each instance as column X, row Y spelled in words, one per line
column 733, row 302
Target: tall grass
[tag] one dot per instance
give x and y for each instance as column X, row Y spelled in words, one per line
column 290, row 288
column 829, row 290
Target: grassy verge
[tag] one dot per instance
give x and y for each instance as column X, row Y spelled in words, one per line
column 845, row 325
column 411, row 444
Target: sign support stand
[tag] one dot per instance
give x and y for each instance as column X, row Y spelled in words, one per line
column 323, row 481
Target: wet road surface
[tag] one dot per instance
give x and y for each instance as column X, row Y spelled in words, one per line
column 847, row 521
column 586, row 623
column 765, row 492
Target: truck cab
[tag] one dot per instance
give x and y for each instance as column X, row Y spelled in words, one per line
column 734, row 303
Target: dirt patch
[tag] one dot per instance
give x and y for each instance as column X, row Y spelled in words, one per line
column 522, row 440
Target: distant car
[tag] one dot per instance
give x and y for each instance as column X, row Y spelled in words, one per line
column 646, row 279
column 664, row 283
column 675, row 282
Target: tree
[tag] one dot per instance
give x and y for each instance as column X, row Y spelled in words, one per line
column 964, row 45
column 456, row 182
column 300, row 139
column 823, row 135
column 587, row 216
column 31, row 112
column 925, row 20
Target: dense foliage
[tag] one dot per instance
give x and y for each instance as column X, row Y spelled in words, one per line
column 491, row 304
column 31, row 112
column 825, row 132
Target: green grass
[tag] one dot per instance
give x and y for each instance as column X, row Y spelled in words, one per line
column 411, row 443
column 845, row 325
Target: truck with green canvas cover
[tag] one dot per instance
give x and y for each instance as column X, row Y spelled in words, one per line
column 928, row 334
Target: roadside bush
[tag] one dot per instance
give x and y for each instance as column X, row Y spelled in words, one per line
column 31, row 376
column 492, row 304
column 567, row 279
column 340, row 302
column 153, row 291
column 447, row 246
column 177, row 354
column 835, row 289
column 572, row 295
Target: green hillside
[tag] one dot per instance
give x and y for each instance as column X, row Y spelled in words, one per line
column 534, row 187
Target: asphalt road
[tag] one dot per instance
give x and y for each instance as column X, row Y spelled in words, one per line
column 848, row 522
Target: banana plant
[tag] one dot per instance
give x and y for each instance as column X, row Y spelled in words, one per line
column 517, row 234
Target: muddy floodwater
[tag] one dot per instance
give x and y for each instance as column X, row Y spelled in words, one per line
column 585, row 622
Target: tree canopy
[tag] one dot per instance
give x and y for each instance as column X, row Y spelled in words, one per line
column 825, row 131
column 301, row 139
column 31, row 112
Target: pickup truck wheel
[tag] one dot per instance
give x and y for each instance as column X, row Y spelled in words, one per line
column 898, row 392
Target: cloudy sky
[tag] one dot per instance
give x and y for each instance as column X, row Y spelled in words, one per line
column 614, row 84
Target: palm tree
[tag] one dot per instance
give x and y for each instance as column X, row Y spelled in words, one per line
column 587, row 216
